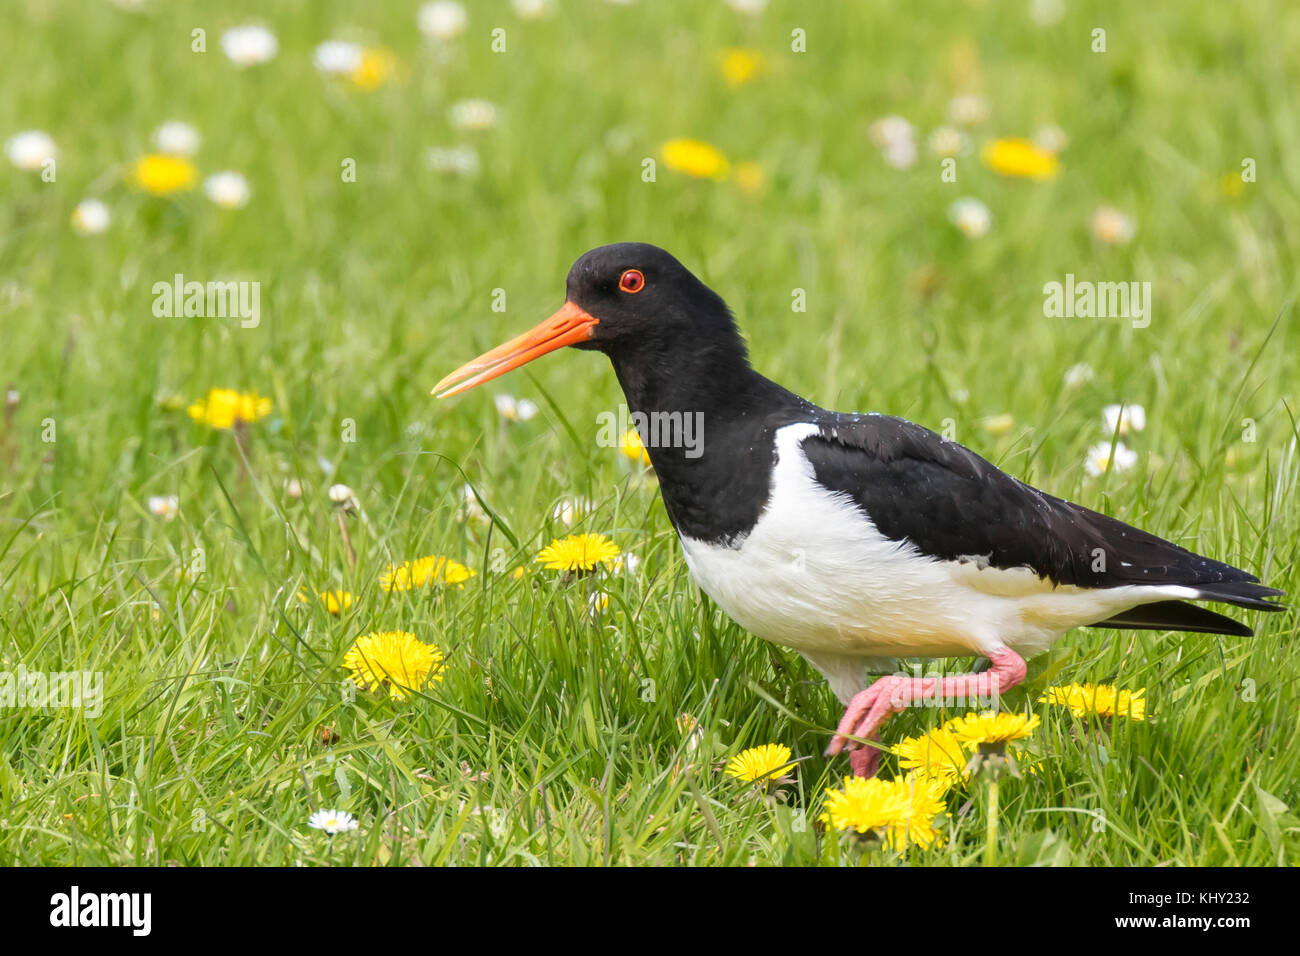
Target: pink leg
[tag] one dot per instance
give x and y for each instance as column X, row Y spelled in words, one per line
column 865, row 761
column 870, row 708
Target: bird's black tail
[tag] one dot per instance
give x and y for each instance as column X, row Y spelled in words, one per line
column 1246, row 594
column 1182, row 616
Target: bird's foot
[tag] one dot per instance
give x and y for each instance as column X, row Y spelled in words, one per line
column 865, row 761
column 866, row 712
column 869, row 709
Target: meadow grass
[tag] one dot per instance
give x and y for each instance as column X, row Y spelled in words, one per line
column 554, row 736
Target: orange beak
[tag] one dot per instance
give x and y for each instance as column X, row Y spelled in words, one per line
column 569, row 326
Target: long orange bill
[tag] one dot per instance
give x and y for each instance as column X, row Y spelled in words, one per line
column 569, row 326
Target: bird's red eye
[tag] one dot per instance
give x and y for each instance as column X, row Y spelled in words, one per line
column 631, row 281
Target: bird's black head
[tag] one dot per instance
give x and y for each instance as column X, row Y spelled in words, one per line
column 645, row 300
column 632, row 301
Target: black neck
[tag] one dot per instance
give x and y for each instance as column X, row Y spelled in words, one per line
column 715, row 485
column 711, row 380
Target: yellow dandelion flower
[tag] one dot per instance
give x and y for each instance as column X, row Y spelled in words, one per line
column 1021, row 158
column 1232, row 185
column 999, row 424
column 578, row 552
column 633, row 448
column 992, row 732
column 760, row 763
column 866, row 804
column 397, row 661
column 376, row 67
column 336, row 602
column 749, row 177
column 1104, row 700
column 936, row 754
column 899, row 811
column 425, row 572
column 739, row 66
column 224, row 407
column 695, row 158
column 163, row 175
column 923, row 801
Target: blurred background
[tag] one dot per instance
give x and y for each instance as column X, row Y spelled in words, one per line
column 477, row 170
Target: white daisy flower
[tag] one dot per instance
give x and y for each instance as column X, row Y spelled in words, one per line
column 332, row 821
column 968, row 109
column 163, row 506
column 462, row 160
column 249, row 45
column 1080, row 373
column 748, row 7
column 1099, row 459
column 1111, row 226
column 891, row 129
column 343, row 496
column 443, row 20
column 91, row 217
column 971, row 216
column 176, row 139
column 30, row 149
column 1051, row 138
column 900, row 155
column 1127, row 418
column 514, row 409
column 570, row 510
column 337, row 57
column 293, row 489
column 473, row 114
column 227, row 189
column 1046, row 12
column 896, row 138
column 948, row 141
column 598, row 602
column 625, row 563
column 531, row 9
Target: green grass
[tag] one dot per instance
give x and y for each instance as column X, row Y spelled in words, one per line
column 554, row 736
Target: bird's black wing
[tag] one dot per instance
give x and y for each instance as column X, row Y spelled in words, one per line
column 950, row 503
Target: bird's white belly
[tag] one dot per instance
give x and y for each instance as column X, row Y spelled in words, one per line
column 837, row 586
column 816, row 575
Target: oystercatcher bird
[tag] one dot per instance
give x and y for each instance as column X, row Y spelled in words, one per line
column 856, row 539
